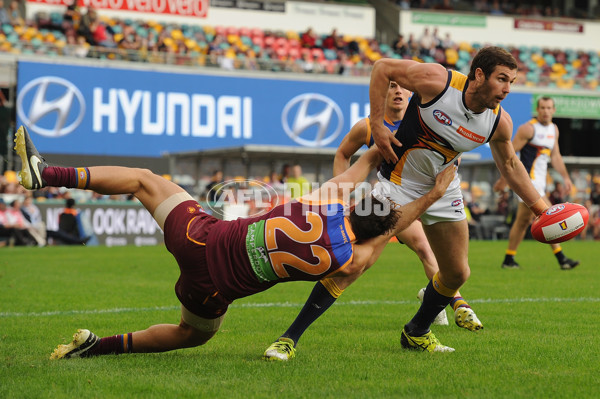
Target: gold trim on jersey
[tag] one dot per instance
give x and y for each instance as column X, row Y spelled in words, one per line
column 427, row 139
column 540, row 151
column 458, row 80
column 368, row 138
column 396, row 175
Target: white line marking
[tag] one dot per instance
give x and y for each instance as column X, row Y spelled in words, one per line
column 284, row 305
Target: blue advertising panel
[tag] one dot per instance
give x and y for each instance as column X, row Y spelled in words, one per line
column 109, row 111
column 76, row 109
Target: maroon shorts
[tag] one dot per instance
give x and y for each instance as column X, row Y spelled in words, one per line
column 186, row 230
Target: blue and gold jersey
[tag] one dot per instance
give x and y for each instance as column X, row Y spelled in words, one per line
column 392, row 125
column 296, row 241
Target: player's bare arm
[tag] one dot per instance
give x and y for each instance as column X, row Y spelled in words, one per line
column 511, row 168
column 342, row 185
column 426, row 80
column 349, row 145
column 366, row 253
column 524, row 134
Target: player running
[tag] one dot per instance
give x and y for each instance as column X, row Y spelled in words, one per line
column 449, row 114
column 537, row 141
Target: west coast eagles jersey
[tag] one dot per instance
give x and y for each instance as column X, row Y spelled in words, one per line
column 535, row 155
column 392, row 125
column 434, row 134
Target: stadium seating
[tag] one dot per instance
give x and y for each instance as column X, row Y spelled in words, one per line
column 282, row 51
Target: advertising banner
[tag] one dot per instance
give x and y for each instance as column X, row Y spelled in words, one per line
column 187, row 8
column 108, row 111
column 570, row 106
column 83, row 110
column 451, row 19
column 110, row 224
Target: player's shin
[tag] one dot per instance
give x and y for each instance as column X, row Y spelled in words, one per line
column 436, row 298
column 321, row 298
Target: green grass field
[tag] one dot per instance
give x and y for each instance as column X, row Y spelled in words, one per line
column 540, row 338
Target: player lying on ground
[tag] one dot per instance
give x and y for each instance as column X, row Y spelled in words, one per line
column 312, row 238
column 324, row 294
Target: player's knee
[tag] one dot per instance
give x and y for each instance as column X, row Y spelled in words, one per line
column 194, row 337
column 423, row 250
column 458, row 276
column 145, row 174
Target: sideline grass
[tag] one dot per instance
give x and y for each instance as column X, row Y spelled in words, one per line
column 540, row 337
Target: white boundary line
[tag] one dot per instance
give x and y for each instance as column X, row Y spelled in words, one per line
column 285, row 305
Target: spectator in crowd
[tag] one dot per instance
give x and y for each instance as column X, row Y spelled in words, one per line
column 285, row 173
column 444, row 5
column 14, row 13
column 308, row 39
column 130, row 42
column 422, row 4
column 496, row 9
column 68, row 231
column 297, row 184
column 19, row 221
column 481, row 6
column 427, row 40
column 331, row 41
column 71, row 17
column 400, row 46
column 10, row 232
column 213, row 188
column 403, row 4
column 4, row 14
column 558, row 195
column 33, row 215
column 503, row 204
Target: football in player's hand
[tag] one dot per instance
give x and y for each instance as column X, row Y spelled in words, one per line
column 559, row 223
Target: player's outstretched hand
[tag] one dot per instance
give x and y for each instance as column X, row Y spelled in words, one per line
column 384, row 141
column 443, row 180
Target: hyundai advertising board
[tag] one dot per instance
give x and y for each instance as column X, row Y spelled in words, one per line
column 84, row 110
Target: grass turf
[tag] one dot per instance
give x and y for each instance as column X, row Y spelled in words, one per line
column 539, row 339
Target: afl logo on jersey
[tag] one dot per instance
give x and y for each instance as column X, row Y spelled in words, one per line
column 441, row 117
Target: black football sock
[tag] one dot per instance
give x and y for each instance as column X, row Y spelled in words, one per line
column 318, row 302
column 433, row 304
column 560, row 256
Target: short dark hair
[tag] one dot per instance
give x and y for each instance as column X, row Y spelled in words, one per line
column 488, row 58
column 70, row 203
column 371, row 218
column 544, row 98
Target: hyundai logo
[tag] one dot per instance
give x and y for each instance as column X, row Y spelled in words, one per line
column 315, row 117
column 55, row 106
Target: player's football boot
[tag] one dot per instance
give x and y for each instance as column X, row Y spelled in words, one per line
column 280, row 350
column 83, row 341
column 569, row 264
column 32, row 163
column 466, row 318
column 427, row 342
column 510, row 265
column 441, row 319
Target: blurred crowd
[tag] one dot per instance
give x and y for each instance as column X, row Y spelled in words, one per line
column 79, row 33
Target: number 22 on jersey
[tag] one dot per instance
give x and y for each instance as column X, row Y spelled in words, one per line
column 280, row 257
